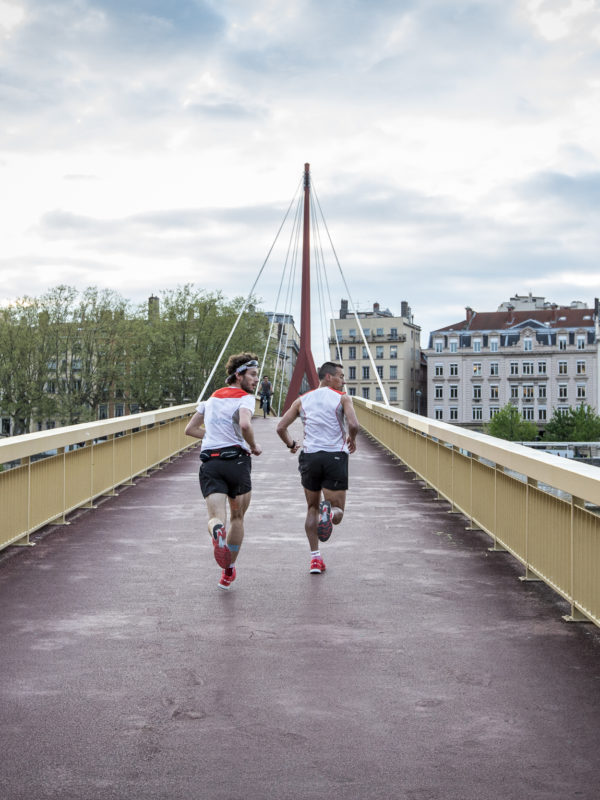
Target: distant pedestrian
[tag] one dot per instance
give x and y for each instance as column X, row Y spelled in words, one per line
column 224, row 424
column 266, row 392
column 330, row 428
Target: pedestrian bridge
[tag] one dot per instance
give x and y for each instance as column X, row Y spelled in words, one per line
column 418, row 666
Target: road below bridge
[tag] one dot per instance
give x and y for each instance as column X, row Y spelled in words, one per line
column 416, row 668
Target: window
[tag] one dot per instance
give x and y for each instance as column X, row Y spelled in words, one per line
column 542, row 391
column 339, row 353
column 514, row 367
column 454, row 412
column 439, row 413
column 439, row 392
column 477, row 412
column 562, row 367
column 379, row 351
column 493, row 411
column 477, row 368
column 365, row 392
column 439, row 345
column 393, row 394
column 514, row 392
column 494, row 391
column 393, row 351
column 453, row 370
column 51, row 387
column 541, row 367
column 394, row 333
column 352, row 391
column 5, row 426
column 351, row 373
column 581, row 342
column 528, row 368
column 339, row 333
column 365, row 373
column 394, row 373
column 352, row 332
column 119, row 410
column 367, row 331
column 378, row 395
column 453, row 391
column 494, row 345
column 477, row 392
column 527, row 343
column 365, row 352
column 439, row 370
column 379, row 331
column 352, row 353
column 453, row 345
column 581, row 391
column 541, row 414
column 477, row 345
column 581, row 367
column 134, row 408
column 528, row 392
column 562, row 342
column 379, row 371
column 528, row 412
column 102, row 411
column 494, row 368
column 562, row 391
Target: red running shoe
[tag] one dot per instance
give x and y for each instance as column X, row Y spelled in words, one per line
column 220, row 549
column 325, row 525
column 227, row 578
column 317, row 565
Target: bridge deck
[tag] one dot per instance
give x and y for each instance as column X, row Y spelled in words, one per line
column 418, row 667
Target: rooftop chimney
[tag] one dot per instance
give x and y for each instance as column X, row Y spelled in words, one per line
column 344, row 309
column 376, row 308
column 153, row 308
column 469, row 311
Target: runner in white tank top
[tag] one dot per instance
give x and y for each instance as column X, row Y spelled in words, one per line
column 224, row 424
column 330, row 428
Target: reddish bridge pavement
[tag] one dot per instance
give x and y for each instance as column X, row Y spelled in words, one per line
column 418, row 667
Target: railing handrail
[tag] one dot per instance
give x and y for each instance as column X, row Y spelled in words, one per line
column 29, row 444
column 573, row 477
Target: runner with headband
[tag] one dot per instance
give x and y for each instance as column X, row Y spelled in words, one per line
column 224, row 424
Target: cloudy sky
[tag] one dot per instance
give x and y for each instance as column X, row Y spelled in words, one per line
column 454, row 146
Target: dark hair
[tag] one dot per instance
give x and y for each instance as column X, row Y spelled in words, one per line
column 328, row 368
column 236, row 361
column 265, row 377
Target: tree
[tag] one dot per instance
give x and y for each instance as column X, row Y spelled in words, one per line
column 508, row 424
column 580, row 424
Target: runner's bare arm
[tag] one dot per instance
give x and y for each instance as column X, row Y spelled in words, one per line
column 353, row 426
column 248, row 432
column 284, row 423
column 195, row 426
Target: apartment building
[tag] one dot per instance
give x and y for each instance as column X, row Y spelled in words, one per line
column 394, row 344
column 532, row 353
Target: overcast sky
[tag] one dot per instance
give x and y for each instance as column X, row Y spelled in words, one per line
column 454, row 146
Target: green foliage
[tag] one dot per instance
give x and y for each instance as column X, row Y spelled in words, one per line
column 580, row 424
column 508, row 424
column 65, row 353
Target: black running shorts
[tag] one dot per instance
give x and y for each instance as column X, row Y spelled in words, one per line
column 230, row 477
column 323, row 470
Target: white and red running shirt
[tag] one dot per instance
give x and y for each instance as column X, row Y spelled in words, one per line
column 324, row 420
column 222, row 417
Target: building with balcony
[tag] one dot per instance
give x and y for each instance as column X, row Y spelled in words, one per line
column 394, row 344
column 537, row 355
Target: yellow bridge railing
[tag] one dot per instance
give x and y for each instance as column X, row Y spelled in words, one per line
column 48, row 474
column 535, row 505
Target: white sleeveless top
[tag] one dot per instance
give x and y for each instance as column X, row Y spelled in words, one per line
column 222, row 417
column 324, row 420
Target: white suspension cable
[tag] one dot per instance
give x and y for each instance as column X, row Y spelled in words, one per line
column 338, row 349
column 247, row 301
column 366, row 344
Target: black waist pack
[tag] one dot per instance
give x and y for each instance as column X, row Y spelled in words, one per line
column 227, row 454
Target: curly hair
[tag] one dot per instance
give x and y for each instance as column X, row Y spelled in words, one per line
column 236, row 361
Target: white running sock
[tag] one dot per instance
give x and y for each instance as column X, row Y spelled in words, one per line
column 315, row 554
